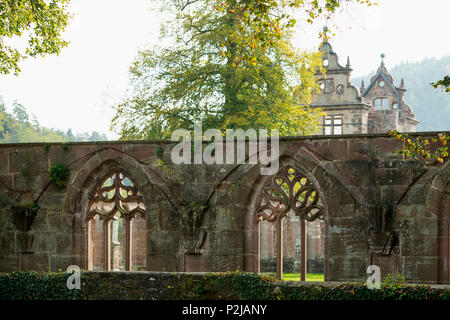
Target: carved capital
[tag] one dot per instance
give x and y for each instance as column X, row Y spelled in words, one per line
column 191, row 216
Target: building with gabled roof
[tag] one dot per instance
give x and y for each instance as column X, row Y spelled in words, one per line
column 389, row 110
column 376, row 109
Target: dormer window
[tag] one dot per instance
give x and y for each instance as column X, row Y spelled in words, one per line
column 381, row 103
column 326, row 85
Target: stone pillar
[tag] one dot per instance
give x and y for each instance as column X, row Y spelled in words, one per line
column 115, row 244
column 107, row 244
column 303, row 255
column 128, row 244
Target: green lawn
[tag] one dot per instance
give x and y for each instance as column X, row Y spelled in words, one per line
column 309, row 277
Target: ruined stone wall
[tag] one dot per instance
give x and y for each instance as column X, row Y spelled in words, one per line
column 357, row 177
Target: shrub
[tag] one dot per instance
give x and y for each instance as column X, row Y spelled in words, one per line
column 31, row 285
column 60, row 175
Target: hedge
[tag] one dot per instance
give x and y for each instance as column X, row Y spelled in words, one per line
column 31, row 285
column 238, row 285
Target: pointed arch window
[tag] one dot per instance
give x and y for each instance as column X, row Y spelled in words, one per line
column 114, row 241
column 290, row 191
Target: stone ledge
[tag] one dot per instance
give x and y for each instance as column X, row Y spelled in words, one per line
column 125, row 142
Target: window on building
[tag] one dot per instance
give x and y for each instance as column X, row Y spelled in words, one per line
column 326, row 85
column 333, row 125
column 117, row 229
column 381, row 103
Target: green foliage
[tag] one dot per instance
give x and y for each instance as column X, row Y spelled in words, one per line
column 41, row 22
column 262, row 25
column 60, row 174
column 230, row 285
column 241, row 285
column 159, row 151
column 16, row 127
column 359, row 291
column 231, row 65
column 444, row 83
column 394, row 281
column 317, row 277
column 30, row 285
column 422, row 148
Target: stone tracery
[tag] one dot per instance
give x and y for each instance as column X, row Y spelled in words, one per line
column 116, row 193
column 290, row 191
column 117, row 202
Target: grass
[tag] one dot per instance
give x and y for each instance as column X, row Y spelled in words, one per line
column 309, row 277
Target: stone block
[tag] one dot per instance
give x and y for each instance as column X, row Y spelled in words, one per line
column 420, row 269
column 27, row 182
column 359, row 149
column 391, row 177
column 6, row 181
column 58, row 262
column 4, row 161
column 64, row 244
column 47, row 242
column 419, row 246
column 391, row 264
column 31, row 160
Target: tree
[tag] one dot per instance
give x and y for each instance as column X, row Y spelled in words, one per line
column 95, row 136
column 70, row 135
column 231, row 65
column 6, row 121
column 20, row 113
column 40, row 22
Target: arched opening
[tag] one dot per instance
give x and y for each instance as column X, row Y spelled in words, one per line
column 116, row 224
column 290, row 204
column 292, row 248
column 444, row 236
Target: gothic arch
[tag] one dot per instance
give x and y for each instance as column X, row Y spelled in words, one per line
column 438, row 205
column 334, row 196
column 85, row 180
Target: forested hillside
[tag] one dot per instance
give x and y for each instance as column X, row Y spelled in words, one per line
column 431, row 106
column 18, row 126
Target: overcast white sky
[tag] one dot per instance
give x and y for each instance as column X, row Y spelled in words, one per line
column 75, row 90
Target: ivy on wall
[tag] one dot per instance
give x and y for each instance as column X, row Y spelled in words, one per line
column 60, row 174
column 239, row 285
column 30, row 285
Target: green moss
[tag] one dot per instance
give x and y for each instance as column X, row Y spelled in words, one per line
column 60, row 174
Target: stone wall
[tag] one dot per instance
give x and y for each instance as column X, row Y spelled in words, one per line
column 356, row 176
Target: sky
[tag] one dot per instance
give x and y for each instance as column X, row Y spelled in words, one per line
column 78, row 88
